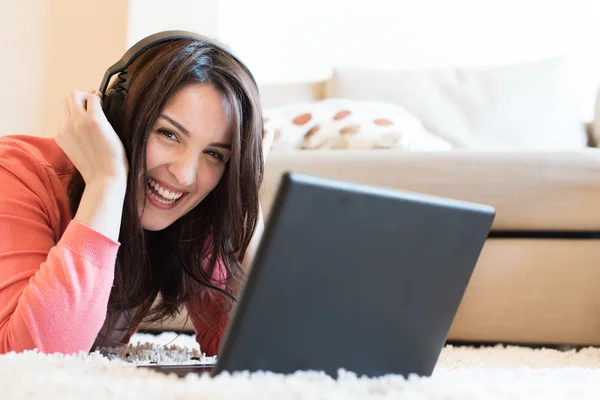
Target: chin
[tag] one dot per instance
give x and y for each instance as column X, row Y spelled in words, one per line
column 154, row 226
column 155, row 218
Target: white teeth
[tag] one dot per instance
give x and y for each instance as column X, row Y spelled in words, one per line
column 166, row 196
column 160, row 199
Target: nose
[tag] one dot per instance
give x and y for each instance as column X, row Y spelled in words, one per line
column 184, row 169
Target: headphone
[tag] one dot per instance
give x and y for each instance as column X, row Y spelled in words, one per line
column 113, row 100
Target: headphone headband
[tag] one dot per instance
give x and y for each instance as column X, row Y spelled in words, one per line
column 153, row 40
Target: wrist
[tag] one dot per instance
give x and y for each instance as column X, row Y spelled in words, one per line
column 116, row 183
column 106, row 174
column 101, row 205
column 104, row 189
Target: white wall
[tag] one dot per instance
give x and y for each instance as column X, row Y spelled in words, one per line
column 150, row 16
column 50, row 47
column 305, row 40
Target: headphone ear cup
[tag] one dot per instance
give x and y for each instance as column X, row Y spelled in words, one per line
column 111, row 104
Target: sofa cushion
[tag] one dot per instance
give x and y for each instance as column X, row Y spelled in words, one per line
column 527, row 106
column 348, row 124
column 531, row 190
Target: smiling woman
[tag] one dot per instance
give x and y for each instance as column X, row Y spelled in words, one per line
column 153, row 194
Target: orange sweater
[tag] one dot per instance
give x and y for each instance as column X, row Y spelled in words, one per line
column 56, row 274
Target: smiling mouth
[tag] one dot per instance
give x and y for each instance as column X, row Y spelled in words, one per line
column 161, row 194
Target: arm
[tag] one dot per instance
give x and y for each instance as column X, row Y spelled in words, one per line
column 101, row 206
column 209, row 337
column 53, row 292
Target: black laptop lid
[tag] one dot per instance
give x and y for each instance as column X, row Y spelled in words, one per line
column 354, row 277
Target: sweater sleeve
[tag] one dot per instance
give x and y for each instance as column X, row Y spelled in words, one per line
column 53, row 292
column 209, row 335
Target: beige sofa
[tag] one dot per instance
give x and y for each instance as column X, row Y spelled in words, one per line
column 538, row 277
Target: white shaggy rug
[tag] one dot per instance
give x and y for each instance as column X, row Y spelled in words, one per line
column 461, row 373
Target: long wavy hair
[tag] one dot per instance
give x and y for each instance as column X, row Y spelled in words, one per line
column 178, row 262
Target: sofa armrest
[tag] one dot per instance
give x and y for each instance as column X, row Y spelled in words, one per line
column 589, row 130
column 593, row 127
column 541, row 191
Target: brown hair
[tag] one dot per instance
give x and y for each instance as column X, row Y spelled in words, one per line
column 178, row 262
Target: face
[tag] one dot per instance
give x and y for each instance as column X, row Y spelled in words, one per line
column 187, row 152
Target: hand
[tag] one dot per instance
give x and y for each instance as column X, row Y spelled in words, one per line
column 88, row 139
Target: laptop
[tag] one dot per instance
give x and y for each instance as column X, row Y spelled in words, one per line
column 351, row 276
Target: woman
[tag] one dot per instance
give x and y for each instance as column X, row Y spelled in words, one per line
column 100, row 220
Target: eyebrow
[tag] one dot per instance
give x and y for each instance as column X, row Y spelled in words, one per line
column 187, row 133
column 176, row 124
column 221, row 145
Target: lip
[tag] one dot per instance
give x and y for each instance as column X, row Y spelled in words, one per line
column 169, row 187
column 160, row 205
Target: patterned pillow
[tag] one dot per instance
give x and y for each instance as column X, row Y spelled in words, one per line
column 349, row 124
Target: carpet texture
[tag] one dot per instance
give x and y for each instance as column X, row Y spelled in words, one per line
column 461, row 373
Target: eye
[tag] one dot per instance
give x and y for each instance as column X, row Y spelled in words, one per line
column 167, row 133
column 216, row 155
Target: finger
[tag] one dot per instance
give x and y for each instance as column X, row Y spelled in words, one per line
column 96, row 92
column 94, row 105
column 77, row 102
column 66, row 107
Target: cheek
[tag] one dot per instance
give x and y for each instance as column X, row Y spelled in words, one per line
column 209, row 176
column 155, row 155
